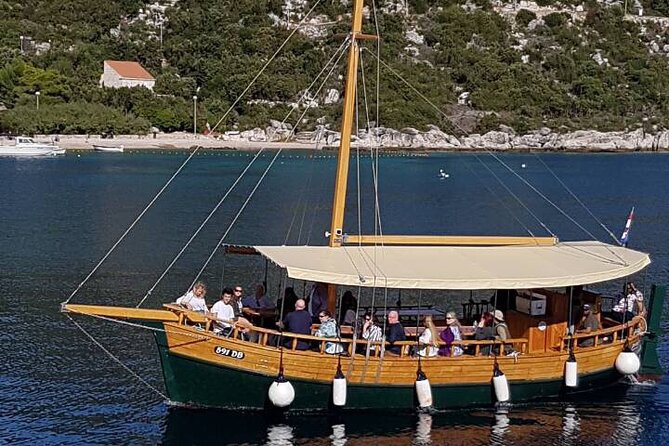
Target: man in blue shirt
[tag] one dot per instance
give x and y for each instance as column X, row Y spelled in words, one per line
column 395, row 332
column 298, row 321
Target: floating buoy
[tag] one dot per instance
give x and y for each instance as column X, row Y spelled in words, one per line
column 339, row 388
column 423, row 390
column 281, row 392
column 501, row 385
column 627, row 362
column 571, row 371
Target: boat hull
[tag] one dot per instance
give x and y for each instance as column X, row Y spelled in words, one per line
column 193, row 382
column 110, row 149
column 29, row 151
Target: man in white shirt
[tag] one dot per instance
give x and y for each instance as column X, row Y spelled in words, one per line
column 224, row 313
column 194, row 299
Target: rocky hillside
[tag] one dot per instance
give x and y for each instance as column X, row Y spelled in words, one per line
column 484, row 64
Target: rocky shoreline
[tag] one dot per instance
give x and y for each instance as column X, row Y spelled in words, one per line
column 279, row 135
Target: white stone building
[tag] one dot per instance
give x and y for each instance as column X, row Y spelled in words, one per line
column 118, row 74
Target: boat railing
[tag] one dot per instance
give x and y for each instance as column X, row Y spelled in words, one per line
column 242, row 329
column 627, row 332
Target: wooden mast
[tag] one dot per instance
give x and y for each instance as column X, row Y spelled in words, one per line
column 339, row 199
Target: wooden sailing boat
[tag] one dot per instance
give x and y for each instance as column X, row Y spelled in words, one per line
column 204, row 369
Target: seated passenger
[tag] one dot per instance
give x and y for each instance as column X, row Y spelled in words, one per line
column 502, row 332
column 298, row 321
column 328, row 329
column 427, row 342
column 587, row 324
column 258, row 301
column 194, row 299
column 347, row 312
column 286, row 304
column 237, row 299
column 224, row 313
column 395, row 332
column 318, row 301
column 371, row 332
column 484, row 332
column 449, row 335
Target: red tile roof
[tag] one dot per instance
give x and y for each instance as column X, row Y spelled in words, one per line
column 129, row 70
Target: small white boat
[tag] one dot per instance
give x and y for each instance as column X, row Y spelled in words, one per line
column 24, row 146
column 101, row 148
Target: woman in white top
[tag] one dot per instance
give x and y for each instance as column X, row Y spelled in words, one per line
column 427, row 342
column 194, row 299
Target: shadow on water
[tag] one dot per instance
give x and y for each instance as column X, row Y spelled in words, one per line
column 614, row 419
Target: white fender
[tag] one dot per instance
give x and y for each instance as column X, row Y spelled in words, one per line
column 571, row 373
column 424, row 392
column 339, row 391
column 501, row 386
column 281, row 392
column 628, row 363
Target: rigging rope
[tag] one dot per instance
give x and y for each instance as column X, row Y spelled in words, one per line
column 499, row 180
column 527, row 183
column 262, row 70
column 202, row 225
column 302, row 203
column 575, row 197
column 504, row 205
column 132, row 225
column 234, row 220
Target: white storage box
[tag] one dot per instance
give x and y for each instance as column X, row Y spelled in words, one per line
column 531, row 303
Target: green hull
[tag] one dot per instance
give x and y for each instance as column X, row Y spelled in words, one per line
column 196, row 383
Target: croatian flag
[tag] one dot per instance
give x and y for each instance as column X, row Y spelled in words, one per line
column 626, row 233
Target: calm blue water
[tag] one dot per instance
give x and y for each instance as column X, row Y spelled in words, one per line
column 59, row 216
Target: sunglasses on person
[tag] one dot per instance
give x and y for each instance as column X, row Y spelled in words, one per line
column 238, row 290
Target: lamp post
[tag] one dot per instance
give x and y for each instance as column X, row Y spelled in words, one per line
column 37, row 93
column 194, row 115
column 21, row 38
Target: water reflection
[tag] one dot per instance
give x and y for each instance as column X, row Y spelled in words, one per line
column 628, row 427
column 500, row 427
column 338, row 436
column 423, row 430
column 570, row 423
column 279, row 435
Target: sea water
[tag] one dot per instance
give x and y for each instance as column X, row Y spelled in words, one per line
column 59, row 216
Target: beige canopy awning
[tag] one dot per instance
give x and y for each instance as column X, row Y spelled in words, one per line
column 459, row 267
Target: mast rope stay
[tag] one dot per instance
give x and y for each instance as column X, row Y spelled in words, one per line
column 267, row 64
column 504, row 205
column 234, row 220
column 303, row 200
column 132, row 225
column 516, row 197
column 492, row 154
column 199, row 229
column 578, row 200
column 248, row 87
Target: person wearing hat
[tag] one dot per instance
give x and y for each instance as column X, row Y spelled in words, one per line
column 588, row 323
column 502, row 330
